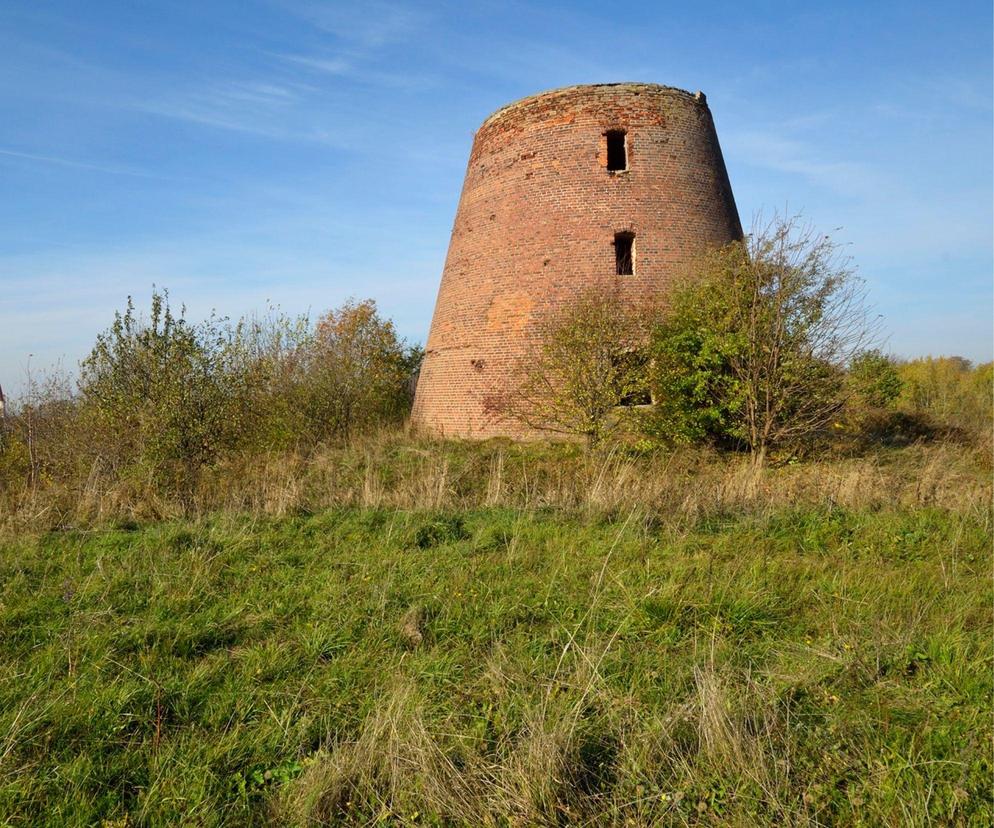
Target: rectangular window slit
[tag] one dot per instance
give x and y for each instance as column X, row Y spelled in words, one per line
column 617, row 153
column 623, row 254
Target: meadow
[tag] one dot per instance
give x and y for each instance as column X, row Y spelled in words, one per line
column 237, row 588
column 397, row 631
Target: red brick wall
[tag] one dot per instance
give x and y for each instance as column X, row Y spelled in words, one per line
column 536, row 222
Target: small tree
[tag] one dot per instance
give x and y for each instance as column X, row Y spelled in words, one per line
column 40, row 438
column 358, row 370
column 587, row 360
column 874, row 381
column 757, row 338
column 163, row 392
column 698, row 397
column 270, row 353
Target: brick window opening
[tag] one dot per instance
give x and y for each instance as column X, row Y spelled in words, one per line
column 617, row 152
column 624, row 259
column 631, row 368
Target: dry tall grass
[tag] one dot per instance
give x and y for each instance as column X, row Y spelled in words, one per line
column 579, row 758
column 685, row 648
column 395, row 470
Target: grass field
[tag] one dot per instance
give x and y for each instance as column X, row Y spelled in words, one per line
column 803, row 663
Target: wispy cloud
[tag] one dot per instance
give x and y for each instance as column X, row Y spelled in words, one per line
column 330, row 66
column 358, row 71
column 377, row 24
column 79, row 165
column 261, row 108
column 779, row 152
column 361, row 41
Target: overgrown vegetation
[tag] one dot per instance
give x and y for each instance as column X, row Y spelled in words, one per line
column 794, row 665
column 161, row 400
column 951, row 390
column 169, row 395
column 761, row 347
column 236, row 590
column 764, row 345
column 755, row 344
column 584, row 364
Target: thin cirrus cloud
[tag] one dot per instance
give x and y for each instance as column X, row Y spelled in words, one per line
column 80, row 165
column 260, row 108
column 330, row 66
column 290, row 105
column 789, row 155
column 379, row 24
column 341, row 67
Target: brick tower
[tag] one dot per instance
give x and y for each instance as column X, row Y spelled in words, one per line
column 602, row 185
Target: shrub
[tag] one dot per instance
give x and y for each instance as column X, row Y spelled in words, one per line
column 872, row 385
column 272, row 355
column 40, row 439
column 949, row 390
column 697, row 396
column 161, row 399
column 587, row 361
column 165, row 392
column 358, row 371
column 874, row 380
column 756, row 340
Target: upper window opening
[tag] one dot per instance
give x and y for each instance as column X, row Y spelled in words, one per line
column 624, row 259
column 617, row 152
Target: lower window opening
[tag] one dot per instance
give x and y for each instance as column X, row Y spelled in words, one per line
column 631, row 369
column 624, row 258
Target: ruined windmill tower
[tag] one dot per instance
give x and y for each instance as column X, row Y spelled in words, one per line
column 602, row 185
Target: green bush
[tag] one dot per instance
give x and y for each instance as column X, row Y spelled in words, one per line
column 271, row 354
column 357, row 372
column 757, row 337
column 160, row 399
column 166, row 392
column 697, row 396
column 586, row 364
column 874, row 380
column 44, row 440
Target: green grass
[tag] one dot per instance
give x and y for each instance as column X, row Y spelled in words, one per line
column 504, row 667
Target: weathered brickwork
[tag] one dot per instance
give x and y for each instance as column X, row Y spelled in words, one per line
column 536, row 223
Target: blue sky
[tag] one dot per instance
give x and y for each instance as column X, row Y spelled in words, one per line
column 295, row 152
